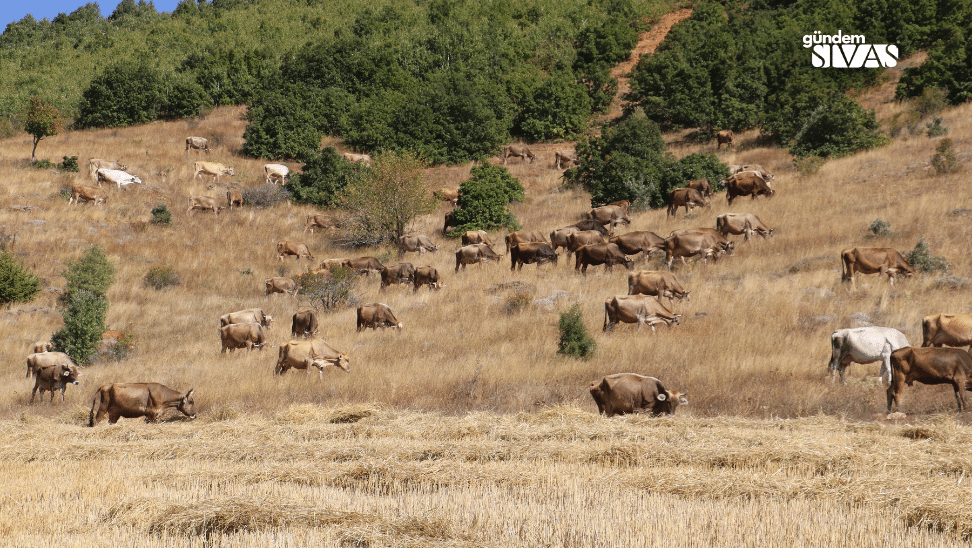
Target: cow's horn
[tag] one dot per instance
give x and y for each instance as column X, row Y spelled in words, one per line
column 189, row 393
column 662, row 397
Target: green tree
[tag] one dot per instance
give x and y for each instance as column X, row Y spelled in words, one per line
column 41, row 120
column 84, row 322
column 574, row 340
column 485, row 198
column 324, row 175
column 92, row 272
column 17, row 284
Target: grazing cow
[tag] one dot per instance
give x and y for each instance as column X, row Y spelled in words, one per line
column 690, row 243
column 242, row 335
column 531, row 252
column 563, row 158
column 606, row 254
column 418, row 242
column 523, row 236
column 930, row 366
column 518, row 151
column 689, row 198
column 657, row 283
column 331, row 264
column 742, row 223
column 234, row 198
column 54, row 377
column 401, row 273
column 281, row 285
column 474, row 253
column 38, row 360
column 321, row 221
column 725, row 137
column 873, row 260
column 591, row 224
column 351, row 157
column 272, row 173
column 426, row 275
column 363, row 265
column 297, row 249
column 639, row 241
column 43, row 346
column 942, row 329
column 640, row 309
column 94, row 164
column 624, row 393
column 375, row 315
column 204, row 203
column 304, row 324
column 250, row 315
column 211, row 168
column 138, row 399
column 558, row 238
column 702, row 185
column 610, row 216
column 197, row 143
column 470, row 237
column 117, row 177
column 306, row 354
column 747, row 183
column 84, row 193
column 450, row 195
column 864, row 345
column 580, row 238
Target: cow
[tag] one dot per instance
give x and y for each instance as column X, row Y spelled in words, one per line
column 470, row 237
column 595, row 254
column 522, row 236
column 640, row 309
column 558, row 237
column 38, row 360
column 281, row 285
column 474, row 253
column 873, row 260
column 702, row 185
column 689, row 198
column 417, row 242
column 563, row 158
column 426, row 275
column 760, row 170
column 117, row 177
column 321, row 221
column 610, row 216
column 531, row 252
column 43, row 346
column 54, row 377
column 84, row 193
column 747, row 183
column 242, row 335
column 375, row 315
column 94, row 164
column 250, row 315
column 639, row 241
column 580, row 238
column 734, row 169
column 624, row 393
column 331, row 264
column 930, row 366
column 517, row 151
column 275, row 172
column 689, row 244
column 304, row 324
column 591, row 224
column 363, row 265
column 306, row 354
column 197, row 143
column 450, row 195
column 401, row 273
column 138, row 399
column 942, row 329
column 657, row 283
column 725, row 137
column 234, row 198
column 864, row 345
column 211, row 168
column 449, row 222
column 299, row 250
column 742, row 223
column 204, row 203
column 352, row 157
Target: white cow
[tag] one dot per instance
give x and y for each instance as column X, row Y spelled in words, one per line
column 117, row 177
column 94, row 164
column 864, row 345
column 274, row 172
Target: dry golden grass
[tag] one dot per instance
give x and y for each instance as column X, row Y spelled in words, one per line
column 466, row 428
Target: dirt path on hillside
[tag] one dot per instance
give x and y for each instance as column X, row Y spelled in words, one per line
column 648, row 42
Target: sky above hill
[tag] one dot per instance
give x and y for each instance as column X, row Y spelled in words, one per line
column 12, row 11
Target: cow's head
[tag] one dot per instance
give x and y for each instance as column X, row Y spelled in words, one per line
column 68, row 374
column 628, row 263
column 267, row 321
column 669, row 401
column 186, row 405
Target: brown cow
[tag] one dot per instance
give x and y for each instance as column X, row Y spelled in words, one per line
column 304, row 324
column 234, row 198
column 610, row 216
column 84, row 193
column 331, row 264
column 930, row 366
column 198, row 143
column 375, row 315
column 689, row 198
column 401, row 273
column 658, row 283
column 297, row 249
column 281, row 285
column 417, row 242
column 580, row 238
column 623, row 204
column 475, row 253
column 742, row 223
column 702, row 185
column 138, row 399
column 450, row 195
column 591, row 224
column 204, row 203
column 530, row 253
column 242, row 335
column 43, row 346
column 321, row 221
column 522, row 236
column 725, row 137
column 363, row 265
column 563, row 158
column 518, row 151
column 640, row 309
column 873, row 260
column 211, row 168
column 690, row 243
column 558, row 238
column 250, row 315
column 747, row 183
column 470, row 237
column 54, row 377
column 606, row 254
column 38, row 360
column 306, row 354
column 947, row 330
column 639, row 241
column 766, row 175
column 624, row 393
column 426, row 275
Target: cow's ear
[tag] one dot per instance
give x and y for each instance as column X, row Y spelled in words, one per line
column 662, row 397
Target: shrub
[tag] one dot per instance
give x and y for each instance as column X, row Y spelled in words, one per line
column 161, row 276
column 84, row 322
column 880, row 228
column 574, row 340
column 935, row 128
column 921, row 259
column 161, row 215
column 43, row 164
column 808, row 165
column 329, row 293
column 17, row 284
column 837, row 127
column 324, row 175
column 70, row 163
column 265, row 196
column 944, row 161
column 518, row 300
column 92, row 272
column 485, row 198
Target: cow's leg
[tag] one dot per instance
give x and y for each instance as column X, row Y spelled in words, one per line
column 958, row 385
column 113, row 418
column 886, row 362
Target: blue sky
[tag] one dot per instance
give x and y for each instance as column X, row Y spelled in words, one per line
column 15, row 10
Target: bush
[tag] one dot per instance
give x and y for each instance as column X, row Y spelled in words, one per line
column 935, row 128
column 880, row 228
column 944, row 161
column 484, row 200
column 836, row 127
column 574, row 340
column 84, row 322
column 17, row 284
column 324, row 175
column 161, row 215
column 921, row 259
column 43, row 164
column 808, row 165
column 92, row 272
column 329, row 293
column 70, row 163
column 265, row 196
column 161, row 276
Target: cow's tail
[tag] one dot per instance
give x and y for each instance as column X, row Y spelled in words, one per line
column 926, row 332
column 95, row 406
